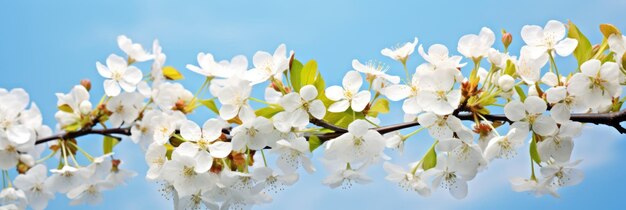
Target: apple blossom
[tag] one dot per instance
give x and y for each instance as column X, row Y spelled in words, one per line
column 401, row 53
column 547, row 39
column 477, row 46
column 133, row 50
column 529, row 115
column 597, row 83
column 119, row 75
column 349, row 95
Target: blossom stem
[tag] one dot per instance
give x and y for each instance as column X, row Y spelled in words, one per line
column 412, row 133
column 264, row 160
column 178, row 137
column 260, row 101
column 5, row 174
column 490, row 125
column 603, row 46
column 85, row 153
column 195, row 96
column 406, row 71
column 369, row 121
column 64, row 152
column 552, row 63
column 47, row 156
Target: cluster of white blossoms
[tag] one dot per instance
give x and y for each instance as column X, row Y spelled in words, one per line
column 252, row 147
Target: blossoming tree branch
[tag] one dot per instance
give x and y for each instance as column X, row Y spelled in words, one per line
column 243, row 155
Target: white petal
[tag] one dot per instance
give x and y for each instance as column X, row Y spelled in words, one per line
column 220, row 149
column 358, row 128
column 132, row 75
column 514, row 110
column 317, row 109
column 291, row 102
column 308, row 92
column 397, row 92
column 560, row 112
column 535, row 105
column 189, row 130
column 360, row 100
column 566, row 47
column 228, row 111
column 458, row 189
column 352, row 81
column 555, row 28
column 532, row 34
column 544, row 125
column 590, row 67
column 204, row 161
column 111, row 88
column 334, row 93
column 339, row 106
column 103, row 70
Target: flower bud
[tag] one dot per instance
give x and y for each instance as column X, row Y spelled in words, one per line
column 507, row 38
column 27, row 159
column 86, row 83
column 506, row 82
column 85, row 107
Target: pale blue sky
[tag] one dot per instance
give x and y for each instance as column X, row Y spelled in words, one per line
column 47, row 47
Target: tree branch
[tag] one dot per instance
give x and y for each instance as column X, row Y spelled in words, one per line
column 610, row 119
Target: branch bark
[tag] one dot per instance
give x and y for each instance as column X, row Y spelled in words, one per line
column 610, row 119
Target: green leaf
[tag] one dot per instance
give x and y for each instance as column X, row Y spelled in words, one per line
column 210, row 103
column 296, row 72
column 309, row 73
column 314, row 142
column 73, row 127
column 171, row 73
column 510, row 68
column 108, row 144
column 380, row 106
column 320, row 85
column 583, row 51
column 608, row 29
column 268, row 111
column 66, row 108
column 533, row 150
column 430, row 158
column 520, row 92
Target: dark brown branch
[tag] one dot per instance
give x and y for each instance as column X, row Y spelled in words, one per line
column 71, row 135
column 325, row 124
column 611, row 119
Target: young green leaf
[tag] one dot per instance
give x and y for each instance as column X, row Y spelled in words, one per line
column 309, row 73
column 583, row 51
column 108, row 144
column 169, row 72
column 268, row 111
column 430, row 158
column 210, row 103
column 296, row 75
column 520, row 92
column 314, row 142
column 534, row 154
column 380, row 106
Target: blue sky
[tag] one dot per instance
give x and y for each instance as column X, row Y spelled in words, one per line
column 47, row 47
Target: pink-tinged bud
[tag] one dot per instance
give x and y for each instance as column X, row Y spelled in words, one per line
column 86, row 83
column 507, row 38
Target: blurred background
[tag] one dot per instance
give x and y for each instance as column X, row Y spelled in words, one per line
column 49, row 46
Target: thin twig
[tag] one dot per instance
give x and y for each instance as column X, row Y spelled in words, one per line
column 610, row 119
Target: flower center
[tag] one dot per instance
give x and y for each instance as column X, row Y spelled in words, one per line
column 252, row 131
column 188, row 171
column 116, row 75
